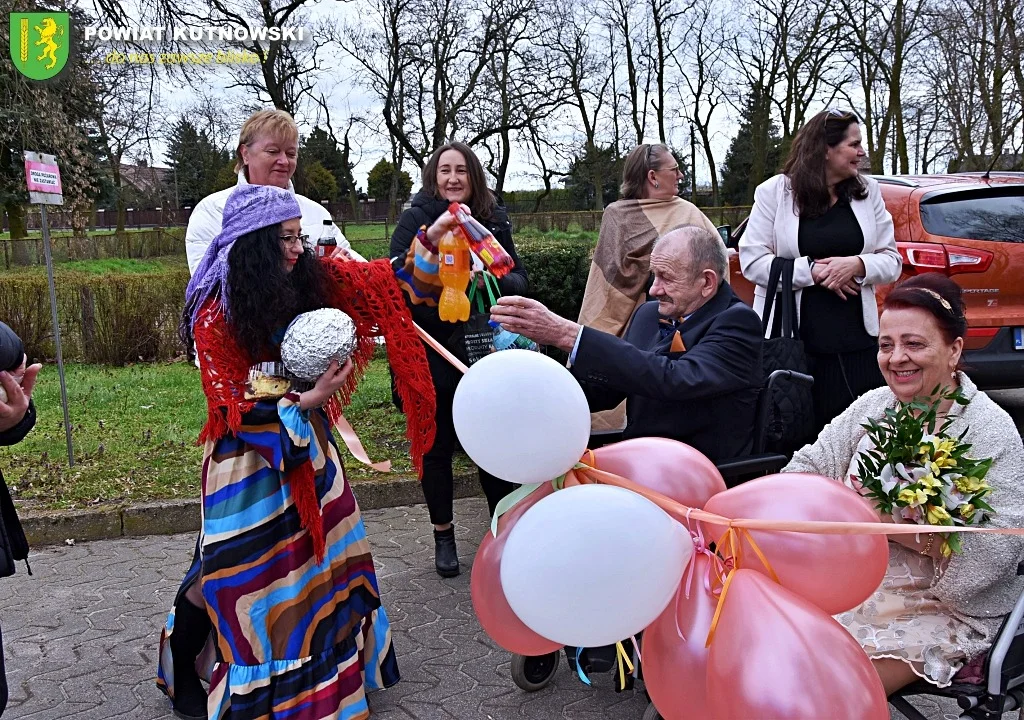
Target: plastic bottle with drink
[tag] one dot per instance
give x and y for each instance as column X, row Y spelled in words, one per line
column 482, row 242
column 453, row 270
column 328, row 241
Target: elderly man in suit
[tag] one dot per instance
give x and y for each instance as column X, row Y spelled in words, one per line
column 689, row 364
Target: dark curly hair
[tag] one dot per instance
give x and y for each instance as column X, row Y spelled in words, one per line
column 264, row 296
column 805, row 166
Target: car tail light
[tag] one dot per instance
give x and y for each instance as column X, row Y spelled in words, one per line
column 946, row 259
column 985, row 332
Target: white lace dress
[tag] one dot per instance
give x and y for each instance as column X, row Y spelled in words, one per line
column 904, row 620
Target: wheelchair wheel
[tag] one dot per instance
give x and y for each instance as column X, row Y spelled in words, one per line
column 651, row 713
column 534, row 673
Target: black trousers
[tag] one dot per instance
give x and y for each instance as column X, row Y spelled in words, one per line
column 438, row 480
column 3, row 678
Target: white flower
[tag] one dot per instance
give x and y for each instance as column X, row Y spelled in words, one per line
column 886, row 478
column 952, row 498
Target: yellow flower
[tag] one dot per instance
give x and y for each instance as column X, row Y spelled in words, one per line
column 913, row 498
column 931, row 484
column 946, row 549
column 937, row 515
column 967, row 511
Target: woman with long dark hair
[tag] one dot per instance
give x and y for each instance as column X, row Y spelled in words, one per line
column 283, row 581
column 832, row 221
column 453, row 174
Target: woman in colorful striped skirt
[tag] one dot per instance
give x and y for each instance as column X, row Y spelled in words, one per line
column 283, row 582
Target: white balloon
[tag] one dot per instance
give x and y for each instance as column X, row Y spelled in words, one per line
column 521, row 416
column 591, row 565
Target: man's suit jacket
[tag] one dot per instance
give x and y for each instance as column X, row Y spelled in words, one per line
column 705, row 395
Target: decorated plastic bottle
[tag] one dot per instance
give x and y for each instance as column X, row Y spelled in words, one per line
column 482, row 242
column 453, row 270
column 505, row 340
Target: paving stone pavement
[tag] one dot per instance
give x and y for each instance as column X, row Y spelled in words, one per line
column 81, row 634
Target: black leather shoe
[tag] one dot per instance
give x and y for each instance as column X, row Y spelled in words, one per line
column 446, row 557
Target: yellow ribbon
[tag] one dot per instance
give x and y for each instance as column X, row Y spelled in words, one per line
column 621, row 655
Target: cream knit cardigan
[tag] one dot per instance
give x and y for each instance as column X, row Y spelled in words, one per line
column 980, row 585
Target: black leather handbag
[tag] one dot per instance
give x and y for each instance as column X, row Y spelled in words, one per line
column 790, row 406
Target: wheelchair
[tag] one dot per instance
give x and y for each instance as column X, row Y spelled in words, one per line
column 1002, row 689
column 535, row 673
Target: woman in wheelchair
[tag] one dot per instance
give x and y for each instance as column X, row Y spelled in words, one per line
column 932, row 614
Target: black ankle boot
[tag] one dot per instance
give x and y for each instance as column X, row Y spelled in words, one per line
column 191, row 630
column 446, row 557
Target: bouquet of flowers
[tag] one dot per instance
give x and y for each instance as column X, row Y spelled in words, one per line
column 917, row 473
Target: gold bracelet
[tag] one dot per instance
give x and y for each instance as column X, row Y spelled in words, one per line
column 928, row 545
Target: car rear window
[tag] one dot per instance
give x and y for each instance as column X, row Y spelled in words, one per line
column 983, row 214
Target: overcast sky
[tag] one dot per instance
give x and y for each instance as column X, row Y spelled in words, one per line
column 347, row 98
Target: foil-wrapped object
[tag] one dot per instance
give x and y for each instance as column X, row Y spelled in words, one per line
column 314, row 339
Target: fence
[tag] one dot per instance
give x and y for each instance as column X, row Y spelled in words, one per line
column 141, row 244
column 590, row 220
column 366, row 213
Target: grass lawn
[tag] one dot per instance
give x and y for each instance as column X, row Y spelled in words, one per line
column 134, row 431
column 106, row 265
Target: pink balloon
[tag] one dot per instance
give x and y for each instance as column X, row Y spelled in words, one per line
column 670, row 467
column 675, row 660
column 492, row 609
column 835, row 572
column 777, row 656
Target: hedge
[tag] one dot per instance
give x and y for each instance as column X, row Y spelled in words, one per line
column 113, row 318
column 116, row 318
column 97, row 246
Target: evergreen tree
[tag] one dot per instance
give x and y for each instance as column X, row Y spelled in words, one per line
column 378, row 182
column 582, row 170
column 320, row 183
column 754, row 154
column 195, row 163
column 53, row 117
column 321, row 147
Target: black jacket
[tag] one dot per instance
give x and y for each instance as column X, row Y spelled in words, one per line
column 424, row 211
column 705, row 396
column 13, row 545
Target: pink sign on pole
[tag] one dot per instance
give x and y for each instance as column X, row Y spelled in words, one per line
column 42, row 177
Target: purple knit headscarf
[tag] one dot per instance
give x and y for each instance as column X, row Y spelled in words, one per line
column 249, row 208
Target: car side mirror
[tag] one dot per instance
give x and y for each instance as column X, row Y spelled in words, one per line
column 725, row 231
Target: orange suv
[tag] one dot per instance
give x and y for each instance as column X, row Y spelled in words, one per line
column 969, row 226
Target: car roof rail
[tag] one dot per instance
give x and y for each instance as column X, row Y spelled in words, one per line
column 896, row 180
column 1011, row 173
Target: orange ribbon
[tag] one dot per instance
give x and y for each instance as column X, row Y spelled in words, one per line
column 355, row 445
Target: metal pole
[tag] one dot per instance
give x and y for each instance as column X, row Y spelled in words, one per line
column 56, row 334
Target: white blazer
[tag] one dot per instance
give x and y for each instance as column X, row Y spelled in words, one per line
column 772, row 232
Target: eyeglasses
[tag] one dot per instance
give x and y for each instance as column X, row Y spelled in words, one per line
column 290, row 239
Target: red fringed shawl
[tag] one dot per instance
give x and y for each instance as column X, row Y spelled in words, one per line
column 370, row 295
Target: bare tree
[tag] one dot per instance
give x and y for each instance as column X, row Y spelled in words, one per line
column 887, row 35
column 630, row 24
column 588, row 76
column 127, row 107
column 701, row 61
column 520, row 87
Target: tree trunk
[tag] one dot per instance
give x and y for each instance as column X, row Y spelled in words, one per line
column 21, row 249
column 17, row 219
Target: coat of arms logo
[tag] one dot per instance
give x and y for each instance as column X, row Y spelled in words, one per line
column 40, row 43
